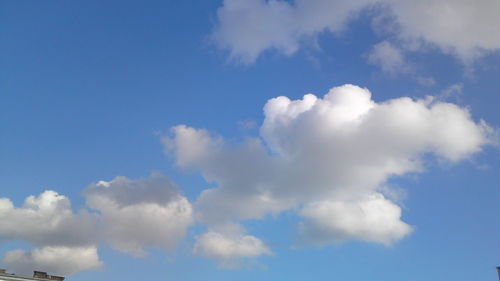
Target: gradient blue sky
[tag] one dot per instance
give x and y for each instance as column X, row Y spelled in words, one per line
column 89, row 87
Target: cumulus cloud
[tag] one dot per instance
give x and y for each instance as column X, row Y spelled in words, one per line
column 46, row 219
column 371, row 219
column 249, row 27
column 229, row 248
column 329, row 158
column 57, row 260
column 138, row 214
column 131, row 215
column 462, row 27
column 67, row 239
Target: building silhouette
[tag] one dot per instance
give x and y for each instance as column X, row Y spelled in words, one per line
column 37, row 275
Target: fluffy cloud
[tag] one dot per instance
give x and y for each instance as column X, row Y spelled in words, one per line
column 55, row 260
column 138, row 214
column 465, row 28
column 249, row 27
column 329, row 158
column 230, row 248
column 46, row 219
column 68, row 239
column 132, row 215
column 371, row 219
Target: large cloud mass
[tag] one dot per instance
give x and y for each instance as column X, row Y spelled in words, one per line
column 249, row 27
column 331, row 158
column 328, row 159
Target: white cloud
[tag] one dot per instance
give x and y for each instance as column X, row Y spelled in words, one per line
column 371, row 219
column 464, row 28
column 46, row 219
column 132, row 215
column 139, row 214
column 229, row 249
column 327, row 157
column 68, row 239
column 248, row 27
column 56, row 260
column 191, row 145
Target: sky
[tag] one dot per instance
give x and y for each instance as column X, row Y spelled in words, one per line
column 250, row 139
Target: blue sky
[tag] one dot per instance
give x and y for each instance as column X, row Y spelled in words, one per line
column 346, row 187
